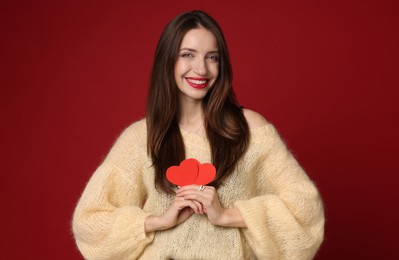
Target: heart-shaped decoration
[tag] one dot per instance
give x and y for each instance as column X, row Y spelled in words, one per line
column 206, row 174
column 190, row 171
column 184, row 174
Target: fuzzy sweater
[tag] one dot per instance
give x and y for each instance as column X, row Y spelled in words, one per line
column 279, row 204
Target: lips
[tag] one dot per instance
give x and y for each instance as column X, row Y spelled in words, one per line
column 198, row 83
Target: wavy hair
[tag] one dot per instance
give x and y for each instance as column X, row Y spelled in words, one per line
column 225, row 124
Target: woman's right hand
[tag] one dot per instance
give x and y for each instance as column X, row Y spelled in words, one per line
column 180, row 210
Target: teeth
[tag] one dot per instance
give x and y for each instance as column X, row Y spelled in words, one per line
column 199, row 82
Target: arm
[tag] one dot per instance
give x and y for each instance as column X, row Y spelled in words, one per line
column 108, row 222
column 177, row 213
column 286, row 220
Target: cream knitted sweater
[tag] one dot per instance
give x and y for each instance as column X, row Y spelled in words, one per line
column 280, row 205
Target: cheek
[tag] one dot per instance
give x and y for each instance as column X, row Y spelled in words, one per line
column 178, row 71
column 181, row 67
column 215, row 71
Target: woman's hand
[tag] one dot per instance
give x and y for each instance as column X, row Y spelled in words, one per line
column 208, row 198
column 180, row 210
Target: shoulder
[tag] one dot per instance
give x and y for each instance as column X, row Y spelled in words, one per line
column 254, row 119
column 134, row 133
column 262, row 131
column 137, row 127
column 131, row 143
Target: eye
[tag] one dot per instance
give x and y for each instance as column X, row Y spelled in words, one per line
column 186, row 55
column 213, row 57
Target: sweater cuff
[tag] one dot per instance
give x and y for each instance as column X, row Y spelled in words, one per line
column 126, row 238
column 131, row 227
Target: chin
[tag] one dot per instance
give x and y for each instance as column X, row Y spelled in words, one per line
column 196, row 96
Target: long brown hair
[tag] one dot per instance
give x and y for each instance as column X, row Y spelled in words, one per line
column 225, row 124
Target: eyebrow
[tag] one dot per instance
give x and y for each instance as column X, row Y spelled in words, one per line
column 192, row 50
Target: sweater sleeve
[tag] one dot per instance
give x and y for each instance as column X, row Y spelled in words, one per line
column 108, row 222
column 286, row 219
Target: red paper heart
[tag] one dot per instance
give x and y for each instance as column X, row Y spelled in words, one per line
column 184, row 174
column 191, row 171
column 206, row 174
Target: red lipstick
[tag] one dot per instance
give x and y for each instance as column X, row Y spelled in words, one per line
column 198, row 83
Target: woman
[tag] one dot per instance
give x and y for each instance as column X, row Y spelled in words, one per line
column 261, row 205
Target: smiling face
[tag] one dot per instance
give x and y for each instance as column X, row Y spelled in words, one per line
column 197, row 65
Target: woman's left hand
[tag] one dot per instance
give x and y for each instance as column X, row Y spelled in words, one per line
column 209, row 199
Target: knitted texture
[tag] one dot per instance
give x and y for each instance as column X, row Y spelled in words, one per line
column 279, row 204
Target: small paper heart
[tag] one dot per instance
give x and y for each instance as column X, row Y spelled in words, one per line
column 184, row 174
column 206, row 174
column 190, row 171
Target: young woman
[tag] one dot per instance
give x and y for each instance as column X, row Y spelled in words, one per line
column 261, row 205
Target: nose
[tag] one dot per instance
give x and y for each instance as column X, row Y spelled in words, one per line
column 200, row 67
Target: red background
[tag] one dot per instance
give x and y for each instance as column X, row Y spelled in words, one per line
column 74, row 74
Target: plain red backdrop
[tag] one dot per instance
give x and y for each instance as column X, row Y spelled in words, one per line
column 75, row 73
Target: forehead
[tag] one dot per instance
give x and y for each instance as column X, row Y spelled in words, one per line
column 199, row 39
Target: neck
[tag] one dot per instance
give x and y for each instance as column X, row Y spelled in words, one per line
column 190, row 111
column 190, row 115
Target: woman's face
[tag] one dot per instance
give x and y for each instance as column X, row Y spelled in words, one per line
column 197, row 66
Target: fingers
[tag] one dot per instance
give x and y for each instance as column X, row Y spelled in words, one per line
column 205, row 195
column 201, row 209
column 201, row 191
column 194, row 187
column 184, row 215
column 182, row 203
column 197, row 207
column 202, row 194
column 199, row 198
